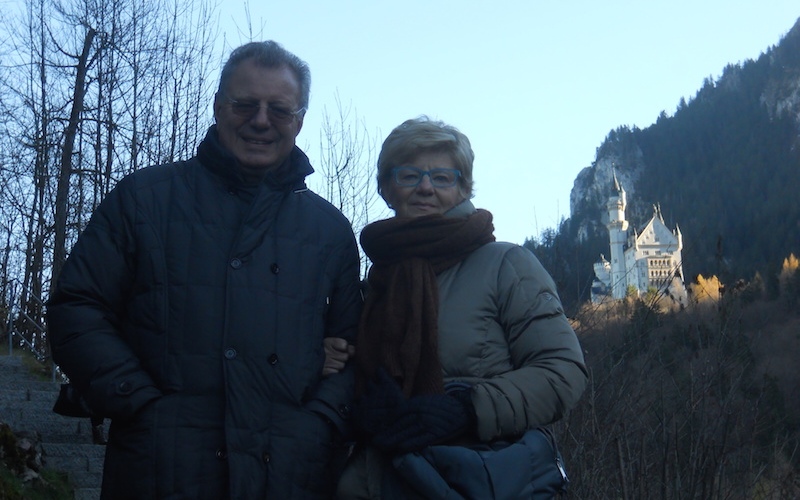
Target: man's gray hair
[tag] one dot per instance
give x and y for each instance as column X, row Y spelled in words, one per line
column 269, row 54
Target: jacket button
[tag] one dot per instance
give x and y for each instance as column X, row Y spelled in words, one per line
column 265, row 457
column 230, row 353
column 236, row 263
column 344, row 411
column 125, row 387
column 274, row 268
column 222, row 455
column 273, row 359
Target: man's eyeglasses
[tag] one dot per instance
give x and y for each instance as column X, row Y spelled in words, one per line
column 412, row 176
column 248, row 109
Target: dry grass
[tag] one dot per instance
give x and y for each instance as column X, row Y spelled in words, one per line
column 699, row 403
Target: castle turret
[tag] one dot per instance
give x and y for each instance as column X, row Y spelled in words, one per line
column 618, row 234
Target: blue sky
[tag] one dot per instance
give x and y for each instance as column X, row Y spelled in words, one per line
column 535, row 85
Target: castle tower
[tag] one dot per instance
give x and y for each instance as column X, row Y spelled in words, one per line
column 618, row 235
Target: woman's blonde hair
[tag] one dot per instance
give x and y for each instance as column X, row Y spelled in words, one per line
column 423, row 135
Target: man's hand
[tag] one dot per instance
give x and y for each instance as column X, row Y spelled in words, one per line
column 337, row 353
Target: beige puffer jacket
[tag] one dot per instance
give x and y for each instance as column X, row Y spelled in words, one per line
column 502, row 329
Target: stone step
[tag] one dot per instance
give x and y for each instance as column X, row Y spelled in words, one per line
column 83, row 479
column 14, row 374
column 80, row 479
column 19, row 382
column 37, row 410
column 9, row 363
column 44, row 392
column 87, row 494
column 49, row 426
column 26, row 403
column 18, row 370
column 40, row 400
column 11, row 366
column 90, row 455
column 82, row 463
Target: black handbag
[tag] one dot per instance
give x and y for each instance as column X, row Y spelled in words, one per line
column 531, row 467
column 70, row 403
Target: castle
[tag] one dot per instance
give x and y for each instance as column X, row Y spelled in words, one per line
column 642, row 261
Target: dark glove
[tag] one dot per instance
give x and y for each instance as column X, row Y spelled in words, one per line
column 426, row 420
column 378, row 406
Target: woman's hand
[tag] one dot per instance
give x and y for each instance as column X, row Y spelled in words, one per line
column 337, row 353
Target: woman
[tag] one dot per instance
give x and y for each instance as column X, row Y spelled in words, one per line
column 463, row 340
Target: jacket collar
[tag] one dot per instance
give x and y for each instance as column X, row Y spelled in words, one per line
column 463, row 209
column 219, row 160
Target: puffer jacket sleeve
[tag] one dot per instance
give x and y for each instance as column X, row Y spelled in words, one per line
column 334, row 394
column 549, row 374
column 86, row 306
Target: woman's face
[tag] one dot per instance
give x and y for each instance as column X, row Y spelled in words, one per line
column 424, row 198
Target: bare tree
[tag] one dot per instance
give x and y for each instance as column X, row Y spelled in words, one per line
column 68, row 150
column 96, row 89
column 31, row 130
column 347, row 164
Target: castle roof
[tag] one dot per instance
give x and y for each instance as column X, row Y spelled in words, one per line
column 616, row 188
column 656, row 232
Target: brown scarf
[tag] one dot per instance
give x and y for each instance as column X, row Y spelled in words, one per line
column 398, row 328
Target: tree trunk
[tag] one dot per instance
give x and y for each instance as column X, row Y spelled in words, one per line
column 62, row 192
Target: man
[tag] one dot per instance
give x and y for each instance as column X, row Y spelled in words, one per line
column 193, row 308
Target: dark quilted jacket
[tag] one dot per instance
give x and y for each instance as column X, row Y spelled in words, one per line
column 192, row 311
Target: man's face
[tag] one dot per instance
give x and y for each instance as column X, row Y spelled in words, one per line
column 251, row 115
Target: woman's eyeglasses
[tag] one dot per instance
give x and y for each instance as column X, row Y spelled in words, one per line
column 248, row 109
column 412, row 176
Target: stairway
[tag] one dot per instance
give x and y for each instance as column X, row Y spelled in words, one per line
column 25, row 405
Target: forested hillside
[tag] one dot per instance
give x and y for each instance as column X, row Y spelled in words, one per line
column 725, row 168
